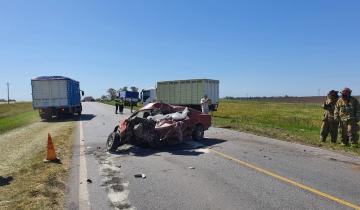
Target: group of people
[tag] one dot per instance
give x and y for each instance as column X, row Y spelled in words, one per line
column 342, row 114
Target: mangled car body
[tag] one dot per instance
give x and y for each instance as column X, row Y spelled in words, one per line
column 159, row 124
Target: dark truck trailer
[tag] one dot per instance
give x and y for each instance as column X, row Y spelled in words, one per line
column 130, row 97
column 56, row 95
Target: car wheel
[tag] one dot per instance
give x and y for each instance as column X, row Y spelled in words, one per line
column 113, row 142
column 198, row 133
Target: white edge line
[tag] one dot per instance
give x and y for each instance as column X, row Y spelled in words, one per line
column 84, row 203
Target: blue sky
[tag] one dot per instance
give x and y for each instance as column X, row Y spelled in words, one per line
column 259, row 48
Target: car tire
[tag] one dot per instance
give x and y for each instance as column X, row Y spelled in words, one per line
column 113, row 141
column 198, row 133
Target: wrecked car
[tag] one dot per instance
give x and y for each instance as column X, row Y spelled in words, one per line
column 159, row 124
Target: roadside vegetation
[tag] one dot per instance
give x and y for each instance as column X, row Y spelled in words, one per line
column 25, row 181
column 295, row 122
column 28, row 183
column 15, row 115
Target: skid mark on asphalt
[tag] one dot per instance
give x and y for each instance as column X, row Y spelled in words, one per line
column 113, row 180
column 288, row 181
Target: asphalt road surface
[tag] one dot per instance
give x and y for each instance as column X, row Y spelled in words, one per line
column 227, row 170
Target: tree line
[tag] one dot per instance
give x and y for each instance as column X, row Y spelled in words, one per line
column 112, row 92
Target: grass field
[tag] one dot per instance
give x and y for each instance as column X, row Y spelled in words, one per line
column 297, row 122
column 32, row 184
column 25, row 181
column 16, row 115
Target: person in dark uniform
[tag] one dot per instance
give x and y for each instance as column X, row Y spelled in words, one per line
column 121, row 105
column 117, row 104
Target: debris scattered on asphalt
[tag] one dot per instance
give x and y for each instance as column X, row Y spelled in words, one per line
column 119, row 166
column 140, row 176
column 89, row 181
column 191, row 167
column 333, row 159
column 83, row 140
column 270, row 159
column 265, row 156
column 304, row 150
column 80, row 182
column 98, row 147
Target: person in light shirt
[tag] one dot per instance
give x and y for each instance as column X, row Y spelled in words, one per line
column 205, row 102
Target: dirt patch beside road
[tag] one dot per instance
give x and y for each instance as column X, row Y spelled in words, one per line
column 30, row 183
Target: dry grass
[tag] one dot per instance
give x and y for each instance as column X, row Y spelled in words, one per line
column 36, row 185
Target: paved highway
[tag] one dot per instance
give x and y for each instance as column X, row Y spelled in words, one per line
column 227, row 170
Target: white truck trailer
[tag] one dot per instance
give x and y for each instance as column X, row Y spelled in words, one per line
column 148, row 96
column 188, row 92
column 56, row 95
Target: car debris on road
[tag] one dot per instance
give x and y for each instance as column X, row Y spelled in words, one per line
column 159, row 124
column 140, row 176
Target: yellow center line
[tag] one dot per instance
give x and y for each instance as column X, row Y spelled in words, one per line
column 289, row 181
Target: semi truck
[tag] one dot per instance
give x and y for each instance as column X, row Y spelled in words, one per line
column 188, row 92
column 130, row 97
column 56, row 96
column 148, row 96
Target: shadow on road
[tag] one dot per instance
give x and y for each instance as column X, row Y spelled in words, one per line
column 83, row 117
column 188, row 148
column 87, row 117
column 5, row 180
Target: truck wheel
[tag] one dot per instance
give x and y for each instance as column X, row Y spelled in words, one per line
column 113, row 142
column 198, row 133
column 45, row 116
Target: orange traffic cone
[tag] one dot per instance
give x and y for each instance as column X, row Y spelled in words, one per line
column 50, row 153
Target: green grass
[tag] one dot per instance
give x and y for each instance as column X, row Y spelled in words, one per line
column 297, row 122
column 16, row 115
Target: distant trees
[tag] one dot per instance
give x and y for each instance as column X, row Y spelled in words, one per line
column 134, row 89
column 125, row 88
column 112, row 93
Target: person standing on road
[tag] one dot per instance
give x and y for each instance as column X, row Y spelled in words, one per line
column 121, row 105
column 117, row 104
column 330, row 124
column 205, row 104
column 347, row 111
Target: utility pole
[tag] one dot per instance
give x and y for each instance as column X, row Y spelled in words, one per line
column 8, row 84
